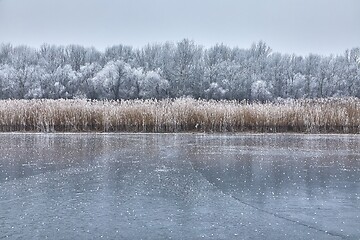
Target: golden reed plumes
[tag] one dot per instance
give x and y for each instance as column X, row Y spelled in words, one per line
column 181, row 115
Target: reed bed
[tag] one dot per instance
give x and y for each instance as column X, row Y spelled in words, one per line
column 181, row 115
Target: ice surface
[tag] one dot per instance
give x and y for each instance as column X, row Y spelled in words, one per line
column 179, row 186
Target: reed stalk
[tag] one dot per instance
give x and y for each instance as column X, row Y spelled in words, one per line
column 181, row 115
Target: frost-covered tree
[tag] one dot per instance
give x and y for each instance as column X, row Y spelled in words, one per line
column 93, row 56
column 186, row 71
column 275, row 74
column 111, row 82
column 259, row 91
column 216, row 63
column 86, row 87
column 21, row 83
column 59, row 84
column 215, row 91
column 311, row 72
column 119, row 52
column 175, row 70
column 5, row 53
column 50, row 57
column 350, row 74
column 75, row 56
column 7, row 80
column 151, row 57
column 154, row 86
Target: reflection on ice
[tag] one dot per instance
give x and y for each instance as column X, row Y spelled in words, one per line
column 179, row 186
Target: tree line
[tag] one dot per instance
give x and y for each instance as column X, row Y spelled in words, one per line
column 171, row 70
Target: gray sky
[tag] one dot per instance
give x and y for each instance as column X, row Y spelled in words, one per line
column 287, row 26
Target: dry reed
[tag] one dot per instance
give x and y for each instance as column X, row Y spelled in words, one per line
column 181, row 115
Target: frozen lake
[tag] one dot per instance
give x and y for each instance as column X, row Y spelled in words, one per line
column 179, row 186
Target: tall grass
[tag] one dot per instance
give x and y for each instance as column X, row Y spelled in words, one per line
column 181, row 115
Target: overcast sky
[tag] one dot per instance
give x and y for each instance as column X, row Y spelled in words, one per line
column 287, row 26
